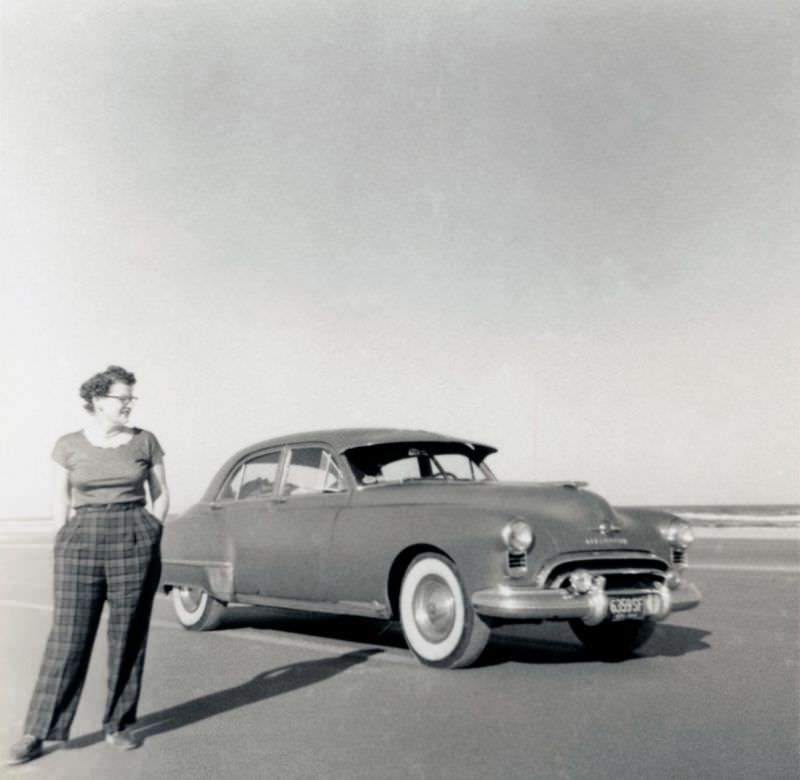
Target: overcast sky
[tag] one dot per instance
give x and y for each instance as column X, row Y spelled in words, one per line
column 568, row 229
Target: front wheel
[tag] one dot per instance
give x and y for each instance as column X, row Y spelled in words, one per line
column 439, row 624
column 613, row 641
column 196, row 610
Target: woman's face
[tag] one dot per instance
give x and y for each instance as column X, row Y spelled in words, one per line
column 115, row 406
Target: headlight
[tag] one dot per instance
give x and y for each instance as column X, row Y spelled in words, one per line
column 679, row 533
column 518, row 536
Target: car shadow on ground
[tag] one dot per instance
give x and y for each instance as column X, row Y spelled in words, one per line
column 671, row 640
column 345, row 628
column 558, row 646
column 266, row 685
column 546, row 643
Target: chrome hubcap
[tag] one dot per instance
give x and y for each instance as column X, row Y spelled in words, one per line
column 434, row 608
column 191, row 598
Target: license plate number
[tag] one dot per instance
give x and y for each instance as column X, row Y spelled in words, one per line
column 626, row 607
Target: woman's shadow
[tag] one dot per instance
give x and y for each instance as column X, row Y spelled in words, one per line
column 263, row 686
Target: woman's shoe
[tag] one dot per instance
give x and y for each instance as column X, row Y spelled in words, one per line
column 123, row 740
column 28, row 748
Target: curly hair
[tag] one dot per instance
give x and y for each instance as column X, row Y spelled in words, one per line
column 99, row 384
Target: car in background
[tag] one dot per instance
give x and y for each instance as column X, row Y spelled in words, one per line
column 414, row 526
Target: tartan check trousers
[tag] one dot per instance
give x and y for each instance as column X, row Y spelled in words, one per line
column 108, row 553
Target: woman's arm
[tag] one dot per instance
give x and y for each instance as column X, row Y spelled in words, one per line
column 159, row 493
column 62, row 498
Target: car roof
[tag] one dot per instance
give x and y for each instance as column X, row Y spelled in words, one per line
column 341, row 439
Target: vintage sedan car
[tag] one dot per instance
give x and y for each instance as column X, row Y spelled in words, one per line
column 413, row 526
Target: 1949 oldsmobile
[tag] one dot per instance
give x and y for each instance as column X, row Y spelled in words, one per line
column 413, row 526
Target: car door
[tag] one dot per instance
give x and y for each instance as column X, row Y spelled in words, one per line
column 281, row 536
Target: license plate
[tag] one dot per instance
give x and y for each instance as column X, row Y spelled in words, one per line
column 626, row 607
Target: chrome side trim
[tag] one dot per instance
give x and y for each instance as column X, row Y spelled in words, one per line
column 372, row 609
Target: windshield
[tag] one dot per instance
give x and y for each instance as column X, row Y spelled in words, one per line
column 404, row 461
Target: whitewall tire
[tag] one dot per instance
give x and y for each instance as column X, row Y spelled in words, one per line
column 438, row 621
column 195, row 609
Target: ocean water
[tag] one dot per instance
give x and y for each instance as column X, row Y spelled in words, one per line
column 737, row 510
column 739, row 515
column 710, row 515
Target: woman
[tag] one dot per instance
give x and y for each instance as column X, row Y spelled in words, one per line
column 106, row 550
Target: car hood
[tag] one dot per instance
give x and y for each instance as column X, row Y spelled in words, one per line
column 573, row 517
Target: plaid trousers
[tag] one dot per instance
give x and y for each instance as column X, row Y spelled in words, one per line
column 109, row 553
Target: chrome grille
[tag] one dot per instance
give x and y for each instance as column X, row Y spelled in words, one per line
column 620, row 571
column 679, row 556
column 517, row 563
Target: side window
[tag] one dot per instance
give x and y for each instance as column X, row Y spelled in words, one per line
column 460, row 466
column 253, row 479
column 259, row 476
column 333, row 480
column 311, row 470
column 231, row 488
column 405, row 468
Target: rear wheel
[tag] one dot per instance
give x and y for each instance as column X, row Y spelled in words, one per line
column 196, row 610
column 439, row 624
column 613, row 641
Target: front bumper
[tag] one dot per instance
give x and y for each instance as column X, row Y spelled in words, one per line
column 525, row 603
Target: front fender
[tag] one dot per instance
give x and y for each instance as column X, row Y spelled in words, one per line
column 366, row 548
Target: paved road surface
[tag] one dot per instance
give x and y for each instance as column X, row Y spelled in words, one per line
column 714, row 694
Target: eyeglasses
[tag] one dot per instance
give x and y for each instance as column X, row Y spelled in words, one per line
column 124, row 399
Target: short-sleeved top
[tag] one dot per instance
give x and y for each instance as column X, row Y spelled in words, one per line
column 107, row 475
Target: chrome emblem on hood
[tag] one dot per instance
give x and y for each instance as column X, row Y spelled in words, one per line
column 605, row 533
